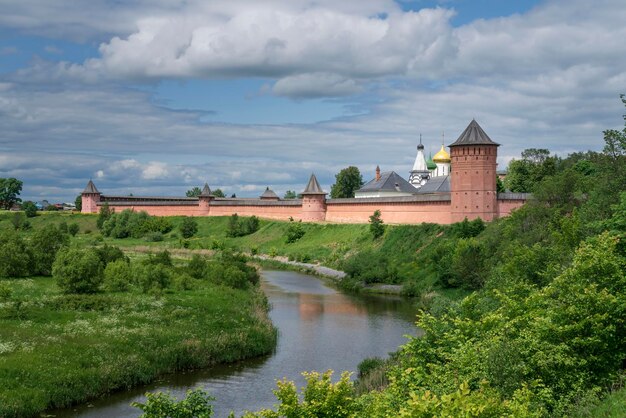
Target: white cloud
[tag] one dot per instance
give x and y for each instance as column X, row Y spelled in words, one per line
column 315, row 85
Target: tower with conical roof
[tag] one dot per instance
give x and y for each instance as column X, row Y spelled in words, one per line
column 473, row 177
column 90, row 198
column 420, row 172
column 313, row 202
column 204, row 200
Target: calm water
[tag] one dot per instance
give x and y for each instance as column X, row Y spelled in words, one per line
column 319, row 328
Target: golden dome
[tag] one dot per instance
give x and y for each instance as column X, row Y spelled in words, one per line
column 442, row 156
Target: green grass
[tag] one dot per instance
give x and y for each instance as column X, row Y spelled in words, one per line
column 612, row 406
column 57, row 350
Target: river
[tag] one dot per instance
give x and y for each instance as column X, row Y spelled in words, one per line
column 319, row 327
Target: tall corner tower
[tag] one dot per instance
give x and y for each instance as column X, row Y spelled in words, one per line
column 204, row 200
column 90, row 198
column 473, row 175
column 313, row 202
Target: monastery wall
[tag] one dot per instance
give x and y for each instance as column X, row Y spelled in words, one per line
column 281, row 210
column 162, row 210
column 507, row 202
column 393, row 210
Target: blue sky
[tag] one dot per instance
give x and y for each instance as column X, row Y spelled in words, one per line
column 156, row 97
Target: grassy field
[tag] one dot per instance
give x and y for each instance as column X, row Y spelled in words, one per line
column 58, row 349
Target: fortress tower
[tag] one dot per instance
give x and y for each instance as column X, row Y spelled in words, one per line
column 204, row 200
column 473, row 177
column 90, row 198
column 313, row 202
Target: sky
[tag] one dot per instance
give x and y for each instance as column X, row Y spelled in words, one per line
column 155, row 97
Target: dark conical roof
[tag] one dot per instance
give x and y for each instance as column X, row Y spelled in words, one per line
column 313, row 187
column 473, row 135
column 90, row 188
column 206, row 190
column 269, row 194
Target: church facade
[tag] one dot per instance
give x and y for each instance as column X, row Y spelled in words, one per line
column 444, row 190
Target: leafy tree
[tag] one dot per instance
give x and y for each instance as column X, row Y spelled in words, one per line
column 195, row 192
column 376, row 225
column 109, row 253
column 78, row 202
column 500, row 186
column 536, row 164
column 295, row 231
column 218, row 193
column 103, row 215
column 290, row 194
column 45, row 243
column 197, row 404
column 73, row 229
column 347, row 181
column 10, row 189
column 189, row 227
column 29, row 208
column 78, row 270
column 15, row 256
column 238, row 227
column 233, row 196
column 117, row 276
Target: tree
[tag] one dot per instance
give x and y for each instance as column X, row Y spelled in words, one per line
column 218, row 193
column 10, row 189
column 73, row 229
column 195, row 192
column 78, row 202
column 290, row 194
column 29, row 208
column 347, row 181
column 103, row 215
column 78, row 270
column 188, row 227
column 376, row 225
column 15, row 256
column 525, row 174
column 45, row 244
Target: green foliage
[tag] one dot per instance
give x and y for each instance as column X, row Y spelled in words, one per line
column 73, row 229
column 15, row 255
column 103, row 215
column 195, row 192
column 20, row 222
column 366, row 366
column 295, row 231
column 500, row 188
column 78, row 202
column 163, row 258
column 197, row 266
column 347, row 181
column 153, row 237
column 197, row 404
column 218, row 193
column 536, row 164
column 45, row 243
column 238, row 227
column 109, row 253
column 129, row 223
column 118, row 276
column 290, row 194
column 78, row 270
column 376, row 225
column 468, row 229
column 152, row 278
column 320, row 398
column 29, row 208
column 10, row 189
column 189, row 227
column 63, row 227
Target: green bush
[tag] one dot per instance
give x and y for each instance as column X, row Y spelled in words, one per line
column 152, row 277
column 295, row 231
column 15, row 255
column 109, row 253
column 197, row 404
column 78, row 270
column 129, row 223
column 45, row 243
column 29, row 208
column 153, row 237
column 238, row 227
column 118, row 276
column 163, row 258
column 103, row 215
column 366, row 366
column 73, row 229
column 189, row 227
column 377, row 228
column 20, row 222
column 63, row 227
column 196, row 267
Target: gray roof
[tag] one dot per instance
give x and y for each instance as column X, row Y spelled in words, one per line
column 90, row 188
column 473, row 135
column 389, row 181
column 206, row 191
column 269, row 194
column 313, row 187
column 440, row 184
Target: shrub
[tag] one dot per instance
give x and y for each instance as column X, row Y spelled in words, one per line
column 376, row 225
column 29, row 208
column 295, row 231
column 117, row 276
column 154, row 237
column 78, row 270
column 162, row 257
column 109, row 253
column 45, row 243
column 151, row 277
column 5, row 291
column 103, row 215
column 254, row 250
column 63, row 227
column 197, row 404
column 183, row 282
column 19, row 221
column 196, row 267
column 369, row 364
column 217, row 245
column 15, row 256
column 189, row 227
column 73, row 229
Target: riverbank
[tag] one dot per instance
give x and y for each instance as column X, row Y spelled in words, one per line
column 57, row 350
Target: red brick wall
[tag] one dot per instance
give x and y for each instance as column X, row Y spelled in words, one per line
column 266, row 212
column 313, row 208
column 505, row 207
column 89, row 203
column 473, row 182
column 391, row 213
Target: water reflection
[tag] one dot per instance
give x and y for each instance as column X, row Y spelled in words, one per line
column 319, row 329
